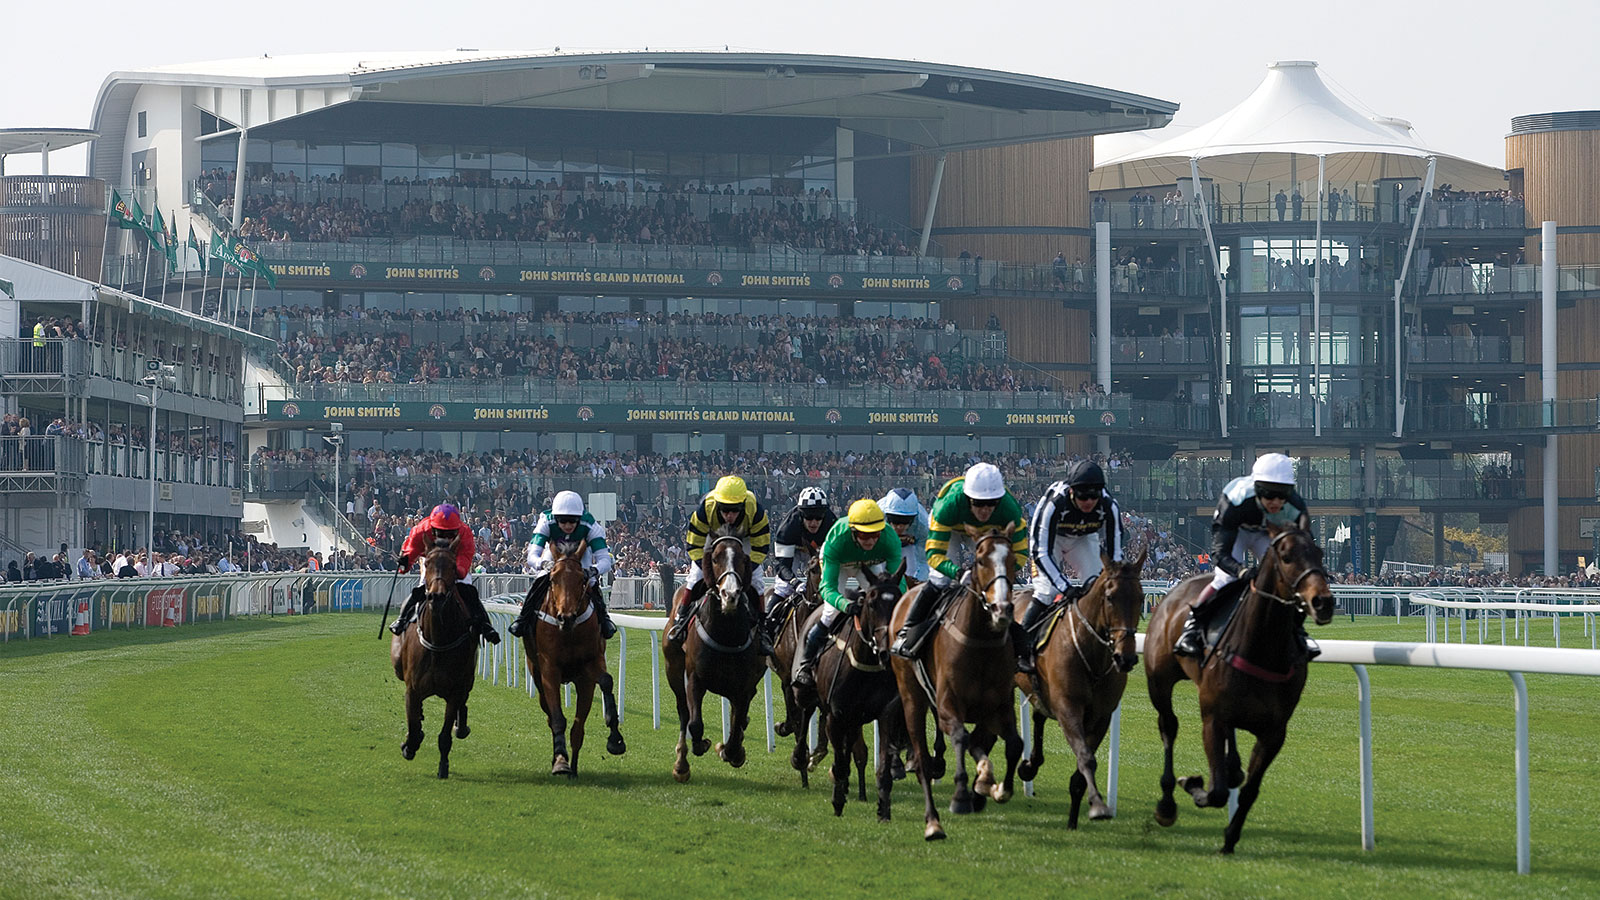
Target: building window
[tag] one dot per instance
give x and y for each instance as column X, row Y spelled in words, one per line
column 143, row 130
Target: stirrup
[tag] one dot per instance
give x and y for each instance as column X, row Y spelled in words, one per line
column 1313, row 649
column 1193, row 640
column 397, row 627
column 516, row 626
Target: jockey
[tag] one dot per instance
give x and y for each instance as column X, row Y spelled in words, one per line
column 854, row 544
column 965, row 510
column 910, row 521
column 444, row 524
column 730, row 510
column 1248, row 504
column 1075, row 520
column 566, row 523
column 799, row 539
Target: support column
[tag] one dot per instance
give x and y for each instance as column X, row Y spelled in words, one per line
column 238, row 169
column 1399, row 283
column 1222, row 297
column 1547, row 371
column 1102, row 316
column 1438, row 539
column 933, row 203
column 44, row 158
column 1316, row 305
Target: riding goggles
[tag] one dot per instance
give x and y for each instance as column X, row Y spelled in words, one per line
column 1273, row 491
column 567, row 520
column 900, row 520
column 1088, row 492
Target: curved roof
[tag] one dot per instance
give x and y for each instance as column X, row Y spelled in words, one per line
column 928, row 106
column 33, row 140
column 1276, row 135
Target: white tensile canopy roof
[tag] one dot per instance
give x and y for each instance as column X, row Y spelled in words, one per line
column 1276, row 135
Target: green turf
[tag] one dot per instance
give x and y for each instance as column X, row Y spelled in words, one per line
column 260, row 758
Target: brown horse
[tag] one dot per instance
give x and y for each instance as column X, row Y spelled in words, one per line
column 968, row 665
column 437, row 655
column 1251, row 679
column 856, row 687
column 785, row 647
column 566, row 646
column 720, row 654
column 1082, row 672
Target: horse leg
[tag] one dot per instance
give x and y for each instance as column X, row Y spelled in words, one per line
column 859, row 750
column 680, row 765
column 583, row 688
column 1235, row 770
column 1007, row 786
column 461, row 722
column 885, row 771
column 937, row 770
column 841, row 738
column 1167, row 722
column 1082, row 737
column 916, row 716
column 732, row 751
column 697, row 723
column 961, row 798
column 979, row 743
column 408, row 748
column 1030, row 767
column 1266, row 750
column 1215, row 737
column 556, row 718
column 819, row 752
column 791, row 709
column 615, row 745
column 452, row 708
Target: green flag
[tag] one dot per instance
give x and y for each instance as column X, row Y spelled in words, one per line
column 121, row 214
column 194, row 244
column 254, row 263
column 161, row 236
column 138, row 218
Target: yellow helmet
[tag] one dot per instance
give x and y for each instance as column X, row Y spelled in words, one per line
column 730, row 490
column 866, row 515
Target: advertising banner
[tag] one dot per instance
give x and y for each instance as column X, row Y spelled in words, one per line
column 163, row 607
column 648, row 418
column 347, row 594
column 694, row 282
column 52, row 615
column 209, row 601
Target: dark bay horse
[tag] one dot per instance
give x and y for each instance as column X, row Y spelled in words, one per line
column 437, row 655
column 785, row 647
column 1251, row 679
column 720, row 654
column 1082, row 673
column 566, row 646
column 968, row 665
column 855, row 687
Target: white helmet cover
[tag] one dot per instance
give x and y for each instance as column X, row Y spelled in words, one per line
column 567, row 503
column 984, row 482
column 900, row 502
column 1273, row 467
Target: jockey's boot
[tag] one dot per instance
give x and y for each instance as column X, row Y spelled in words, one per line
column 398, row 626
column 682, row 611
column 1193, row 640
column 531, row 604
column 1313, row 649
column 914, row 630
column 477, row 616
column 805, row 676
column 1022, row 646
column 1037, row 611
column 608, row 628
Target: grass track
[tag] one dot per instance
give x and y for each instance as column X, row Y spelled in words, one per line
column 260, row 759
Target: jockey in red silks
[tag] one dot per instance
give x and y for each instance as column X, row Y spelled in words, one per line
column 442, row 527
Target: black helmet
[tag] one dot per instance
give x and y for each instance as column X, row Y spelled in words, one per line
column 1085, row 473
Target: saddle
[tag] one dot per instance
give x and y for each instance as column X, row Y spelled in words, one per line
column 1219, row 612
column 1040, row 633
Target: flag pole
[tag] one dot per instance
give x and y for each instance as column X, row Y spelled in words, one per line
column 205, row 274
column 252, row 319
column 106, row 244
column 144, row 283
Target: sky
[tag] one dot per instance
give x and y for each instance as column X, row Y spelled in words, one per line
column 1458, row 71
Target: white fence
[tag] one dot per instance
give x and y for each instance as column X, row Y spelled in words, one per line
column 1520, row 606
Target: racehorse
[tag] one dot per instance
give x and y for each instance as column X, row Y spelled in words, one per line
column 566, row 646
column 1250, row 679
column 1082, row 672
column 964, row 671
column 437, row 655
column 719, row 654
column 855, row 686
column 785, row 647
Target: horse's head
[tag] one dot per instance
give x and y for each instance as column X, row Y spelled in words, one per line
column 439, row 568
column 813, row 576
column 993, row 568
column 567, row 584
column 878, row 598
column 1296, row 563
column 1121, row 592
column 730, row 573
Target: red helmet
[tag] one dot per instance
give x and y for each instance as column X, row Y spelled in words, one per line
column 445, row 517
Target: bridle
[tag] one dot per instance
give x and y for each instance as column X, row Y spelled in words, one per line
column 1107, row 640
column 434, row 598
column 1294, row 598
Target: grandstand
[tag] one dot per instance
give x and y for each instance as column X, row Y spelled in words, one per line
column 502, row 275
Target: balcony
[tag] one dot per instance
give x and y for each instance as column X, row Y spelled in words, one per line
column 1449, row 350
column 41, row 464
column 1133, row 352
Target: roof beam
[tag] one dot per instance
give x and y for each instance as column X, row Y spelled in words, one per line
column 767, row 94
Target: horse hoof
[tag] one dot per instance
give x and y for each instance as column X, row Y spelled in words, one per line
column 681, row 776
column 701, row 746
column 462, row 731
column 561, row 766
column 999, row 793
column 616, row 746
column 934, row 832
column 961, row 805
column 816, row 758
column 985, row 780
column 730, row 754
column 1225, row 850
column 1099, row 813
column 838, row 809
column 936, row 770
column 408, row 751
column 783, row 729
column 979, row 802
column 1027, row 770
column 1166, row 813
column 897, row 769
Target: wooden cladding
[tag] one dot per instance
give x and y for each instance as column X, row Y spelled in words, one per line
column 1560, row 183
column 1044, row 184
column 54, row 220
column 1038, row 330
